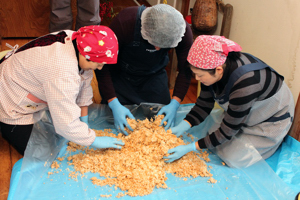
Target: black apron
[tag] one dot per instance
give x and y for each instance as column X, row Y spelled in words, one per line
column 140, row 74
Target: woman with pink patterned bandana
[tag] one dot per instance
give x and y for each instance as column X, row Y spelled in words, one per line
column 258, row 105
column 54, row 72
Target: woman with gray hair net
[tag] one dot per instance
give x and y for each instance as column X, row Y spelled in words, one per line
column 145, row 36
column 163, row 26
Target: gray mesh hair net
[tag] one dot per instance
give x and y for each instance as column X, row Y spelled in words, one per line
column 162, row 25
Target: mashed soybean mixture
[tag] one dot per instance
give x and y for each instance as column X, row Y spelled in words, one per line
column 139, row 166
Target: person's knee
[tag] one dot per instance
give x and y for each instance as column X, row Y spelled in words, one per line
column 238, row 153
column 17, row 135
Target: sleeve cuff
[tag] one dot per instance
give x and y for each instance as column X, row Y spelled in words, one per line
column 202, row 144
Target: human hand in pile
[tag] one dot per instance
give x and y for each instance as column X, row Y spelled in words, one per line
column 170, row 113
column 180, row 151
column 181, row 128
column 107, row 142
column 120, row 113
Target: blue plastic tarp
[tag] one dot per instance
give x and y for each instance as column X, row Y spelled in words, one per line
column 276, row 178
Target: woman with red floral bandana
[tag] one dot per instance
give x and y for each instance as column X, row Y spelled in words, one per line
column 258, row 105
column 54, row 72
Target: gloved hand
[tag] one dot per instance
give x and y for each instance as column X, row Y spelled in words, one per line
column 107, row 142
column 120, row 113
column 180, row 151
column 170, row 112
column 85, row 119
column 180, row 128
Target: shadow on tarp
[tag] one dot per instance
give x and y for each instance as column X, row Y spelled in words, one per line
column 30, row 179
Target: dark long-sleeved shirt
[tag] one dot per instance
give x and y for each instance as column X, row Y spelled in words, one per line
column 123, row 26
column 251, row 87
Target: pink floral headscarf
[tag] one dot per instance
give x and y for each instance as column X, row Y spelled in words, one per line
column 210, row 51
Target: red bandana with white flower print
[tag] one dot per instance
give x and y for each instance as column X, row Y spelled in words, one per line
column 210, row 51
column 97, row 43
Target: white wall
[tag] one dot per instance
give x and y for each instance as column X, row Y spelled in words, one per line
column 270, row 30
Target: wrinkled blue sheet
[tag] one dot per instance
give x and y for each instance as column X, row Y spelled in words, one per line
column 276, row 178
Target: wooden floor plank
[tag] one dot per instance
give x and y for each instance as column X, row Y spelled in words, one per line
column 5, row 168
column 191, row 95
column 14, row 155
column 295, row 129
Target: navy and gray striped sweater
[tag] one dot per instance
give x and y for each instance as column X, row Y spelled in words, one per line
column 249, row 88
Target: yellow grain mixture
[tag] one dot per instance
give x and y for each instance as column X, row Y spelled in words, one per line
column 54, row 165
column 139, row 166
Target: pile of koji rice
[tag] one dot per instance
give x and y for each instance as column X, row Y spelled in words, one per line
column 139, row 166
